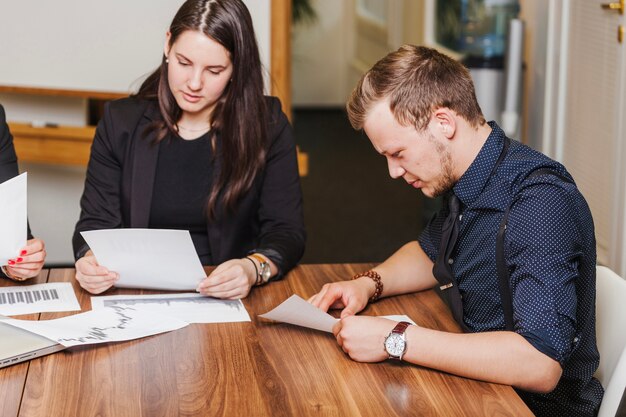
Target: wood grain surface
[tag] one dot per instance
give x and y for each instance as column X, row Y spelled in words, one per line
column 257, row 368
column 12, row 379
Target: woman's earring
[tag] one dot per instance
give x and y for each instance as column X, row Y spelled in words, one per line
column 167, row 60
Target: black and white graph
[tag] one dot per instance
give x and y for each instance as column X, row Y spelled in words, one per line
column 109, row 324
column 190, row 307
column 27, row 299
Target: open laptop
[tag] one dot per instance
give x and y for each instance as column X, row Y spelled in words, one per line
column 18, row 345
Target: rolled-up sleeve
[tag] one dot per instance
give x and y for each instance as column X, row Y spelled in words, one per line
column 543, row 252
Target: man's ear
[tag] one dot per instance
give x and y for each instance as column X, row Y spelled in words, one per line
column 445, row 122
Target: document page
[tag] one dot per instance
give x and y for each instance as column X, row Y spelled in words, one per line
column 39, row 298
column 148, row 258
column 189, row 307
column 13, row 226
column 110, row 324
column 295, row 310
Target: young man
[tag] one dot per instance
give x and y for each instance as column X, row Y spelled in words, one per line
column 512, row 251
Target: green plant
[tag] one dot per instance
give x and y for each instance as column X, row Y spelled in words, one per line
column 302, row 11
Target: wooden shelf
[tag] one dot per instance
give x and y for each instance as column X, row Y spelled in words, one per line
column 63, row 145
column 98, row 95
column 68, row 145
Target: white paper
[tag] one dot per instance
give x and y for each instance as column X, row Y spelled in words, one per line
column 13, row 223
column 110, row 324
column 189, row 307
column 295, row 310
column 148, row 258
column 39, row 298
column 399, row 317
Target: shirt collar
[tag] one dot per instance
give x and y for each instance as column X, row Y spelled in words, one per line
column 472, row 182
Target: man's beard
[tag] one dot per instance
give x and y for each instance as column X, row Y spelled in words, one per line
column 446, row 180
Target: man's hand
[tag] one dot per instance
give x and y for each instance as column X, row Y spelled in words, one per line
column 351, row 296
column 363, row 337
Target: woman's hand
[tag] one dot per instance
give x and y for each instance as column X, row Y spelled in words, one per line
column 29, row 263
column 93, row 277
column 231, row 280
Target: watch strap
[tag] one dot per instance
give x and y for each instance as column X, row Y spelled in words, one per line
column 401, row 327
column 263, row 264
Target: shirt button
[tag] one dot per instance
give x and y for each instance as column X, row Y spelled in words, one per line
column 460, row 217
column 450, row 261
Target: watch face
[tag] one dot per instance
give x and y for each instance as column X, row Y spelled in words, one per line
column 266, row 271
column 394, row 345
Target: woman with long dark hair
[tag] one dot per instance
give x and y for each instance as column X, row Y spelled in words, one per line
column 200, row 148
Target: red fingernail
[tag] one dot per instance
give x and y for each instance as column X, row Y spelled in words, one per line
column 19, row 259
column 11, row 262
column 24, row 252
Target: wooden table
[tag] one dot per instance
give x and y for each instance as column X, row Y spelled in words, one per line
column 256, row 368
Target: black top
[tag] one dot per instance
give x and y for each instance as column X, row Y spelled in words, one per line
column 121, row 174
column 181, row 190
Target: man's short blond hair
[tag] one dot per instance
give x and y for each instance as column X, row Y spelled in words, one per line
column 416, row 80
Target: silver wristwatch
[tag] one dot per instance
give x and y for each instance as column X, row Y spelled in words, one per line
column 395, row 343
column 264, row 269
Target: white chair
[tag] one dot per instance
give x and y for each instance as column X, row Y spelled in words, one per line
column 611, row 338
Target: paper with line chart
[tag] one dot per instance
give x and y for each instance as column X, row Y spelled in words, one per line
column 110, row 324
column 189, row 307
column 39, row 298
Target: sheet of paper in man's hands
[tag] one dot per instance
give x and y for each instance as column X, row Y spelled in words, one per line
column 12, row 217
column 148, row 258
column 295, row 310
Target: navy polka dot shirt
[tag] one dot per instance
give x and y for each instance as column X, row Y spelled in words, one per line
column 550, row 253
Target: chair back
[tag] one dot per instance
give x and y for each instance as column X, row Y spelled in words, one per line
column 611, row 338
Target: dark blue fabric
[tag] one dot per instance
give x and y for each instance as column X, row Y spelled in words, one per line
column 550, row 253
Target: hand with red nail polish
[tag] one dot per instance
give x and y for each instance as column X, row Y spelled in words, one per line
column 29, row 263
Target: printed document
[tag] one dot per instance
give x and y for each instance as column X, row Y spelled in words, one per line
column 148, row 258
column 189, row 307
column 110, row 324
column 39, row 298
column 295, row 310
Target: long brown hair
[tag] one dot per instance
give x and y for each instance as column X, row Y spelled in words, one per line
column 239, row 115
column 417, row 80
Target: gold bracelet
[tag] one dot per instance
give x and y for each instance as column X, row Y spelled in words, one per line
column 11, row 277
column 375, row 276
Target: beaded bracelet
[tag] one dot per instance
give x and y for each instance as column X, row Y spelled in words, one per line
column 377, row 280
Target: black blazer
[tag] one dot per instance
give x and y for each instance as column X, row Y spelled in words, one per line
column 8, row 158
column 120, row 178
